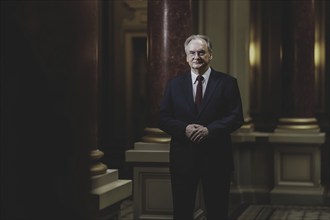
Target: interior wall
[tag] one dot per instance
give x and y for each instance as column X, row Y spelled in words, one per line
column 213, row 21
column 227, row 23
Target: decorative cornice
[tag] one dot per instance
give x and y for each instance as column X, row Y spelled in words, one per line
column 135, row 4
column 140, row 12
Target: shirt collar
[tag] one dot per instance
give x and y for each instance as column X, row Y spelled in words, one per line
column 205, row 75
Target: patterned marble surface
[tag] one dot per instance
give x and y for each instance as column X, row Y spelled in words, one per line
column 260, row 212
column 269, row 212
column 126, row 212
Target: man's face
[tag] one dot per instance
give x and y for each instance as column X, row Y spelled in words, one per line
column 198, row 56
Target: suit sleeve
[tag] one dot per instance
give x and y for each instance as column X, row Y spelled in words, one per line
column 232, row 119
column 167, row 121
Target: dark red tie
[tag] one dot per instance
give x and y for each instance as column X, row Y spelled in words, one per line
column 199, row 92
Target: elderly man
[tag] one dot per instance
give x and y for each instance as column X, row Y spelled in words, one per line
column 200, row 109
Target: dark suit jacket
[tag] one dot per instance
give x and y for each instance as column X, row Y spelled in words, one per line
column 221, row 113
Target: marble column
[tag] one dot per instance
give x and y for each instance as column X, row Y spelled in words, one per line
column 169, row 24
column 297, row 139
column 92, row 23
column 298, row 111
column 108, row 191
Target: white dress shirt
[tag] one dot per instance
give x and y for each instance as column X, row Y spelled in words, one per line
column 206, row 76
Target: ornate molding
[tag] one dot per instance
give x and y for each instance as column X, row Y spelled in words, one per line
column 140, row 12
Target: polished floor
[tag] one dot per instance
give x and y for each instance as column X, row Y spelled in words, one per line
column 258, row 212
column 271, row 212
column 126, row 212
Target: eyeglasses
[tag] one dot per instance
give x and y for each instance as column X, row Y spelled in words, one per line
column 200, row 53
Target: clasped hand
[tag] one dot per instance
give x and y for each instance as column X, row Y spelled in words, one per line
column 196, row 133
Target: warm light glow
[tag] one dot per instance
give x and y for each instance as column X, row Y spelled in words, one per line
column 253, row 54
column 317, row 54
column 319, row 49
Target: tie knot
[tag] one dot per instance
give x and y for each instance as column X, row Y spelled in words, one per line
column 200, row 78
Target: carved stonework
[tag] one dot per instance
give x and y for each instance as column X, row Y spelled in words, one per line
column 140, row 12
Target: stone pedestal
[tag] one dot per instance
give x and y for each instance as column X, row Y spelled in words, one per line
column 253, row 171
column 275, row 167
column 297, row 177
column 152, row 182
column 297, row 138
column 108, row 192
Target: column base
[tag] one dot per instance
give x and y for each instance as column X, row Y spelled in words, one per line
column 155, row 135
column 247, row 127
column 297, row 125
column 97, row 167
column 298, row 130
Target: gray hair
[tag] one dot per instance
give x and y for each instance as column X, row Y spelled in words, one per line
column 201, row 37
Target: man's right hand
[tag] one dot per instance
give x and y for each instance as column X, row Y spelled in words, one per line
column 196, row 132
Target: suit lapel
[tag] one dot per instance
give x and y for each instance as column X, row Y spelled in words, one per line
column 211, row 86
column 188, row 91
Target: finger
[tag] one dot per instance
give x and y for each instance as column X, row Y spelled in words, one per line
column 199, row 139
column 191, row 133
column 195, row 136
column 198, row 126
column 203, row 131
column 189, row 130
